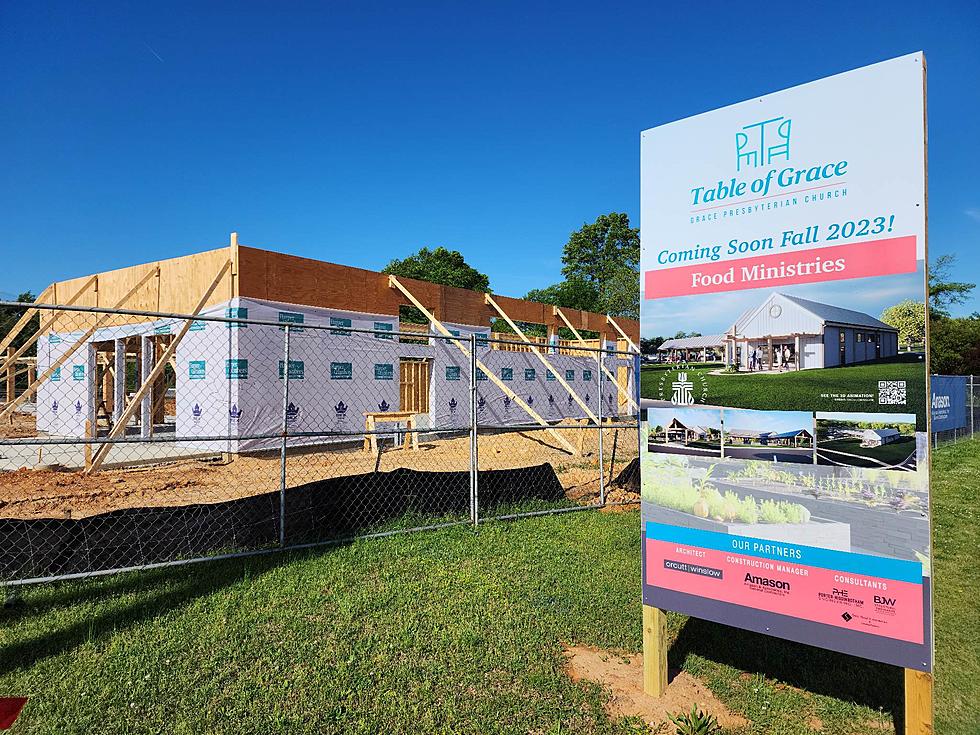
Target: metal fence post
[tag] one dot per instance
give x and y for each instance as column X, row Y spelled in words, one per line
column 282, row 450
column 474, row 439
column 602, row 473
column 973, row 406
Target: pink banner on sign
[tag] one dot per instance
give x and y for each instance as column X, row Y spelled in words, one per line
column 838, row 262
column 883, row 607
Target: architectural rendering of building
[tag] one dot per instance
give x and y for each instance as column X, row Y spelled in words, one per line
column 789, row 333
column 678, row 432
column 794, row 438
column 879, row 437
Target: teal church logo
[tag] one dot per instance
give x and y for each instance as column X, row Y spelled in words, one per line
column 759, row 144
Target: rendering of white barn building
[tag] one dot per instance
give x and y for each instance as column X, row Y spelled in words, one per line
column 789, row 333
column 878, row 437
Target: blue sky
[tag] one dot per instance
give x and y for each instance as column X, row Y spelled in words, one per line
column 356, row 133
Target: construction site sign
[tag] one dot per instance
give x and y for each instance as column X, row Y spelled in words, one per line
column 784, row 441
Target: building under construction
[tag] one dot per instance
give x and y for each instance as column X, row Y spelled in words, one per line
column 351, row 358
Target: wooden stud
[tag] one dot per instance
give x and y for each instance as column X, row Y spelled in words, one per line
column 622, row 334
column 47, row 324
column 11, row 366
column 393, row 281
column 559, row 313
column 162, row 362
column 88, row 447
column 77, row 345
column 557, row 373
column 233, row 246
column 10, row 336
column 621, row 389
column 918, row 703
column 107, row 394
column 654, row 651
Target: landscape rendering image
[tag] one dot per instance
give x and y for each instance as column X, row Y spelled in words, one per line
column 690, row 431
column 884, row 440
column 775, row 436
column 846, row 508
column 831, row 347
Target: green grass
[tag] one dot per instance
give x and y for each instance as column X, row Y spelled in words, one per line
column 892, row 454
column 443, row 632
column 799, row 391
column 955, row 524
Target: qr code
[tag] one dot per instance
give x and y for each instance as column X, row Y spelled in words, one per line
column 891, row 392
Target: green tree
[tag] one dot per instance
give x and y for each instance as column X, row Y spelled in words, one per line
column 954, row 346
column 909, row 318
column 649, row 345
column 439, row 265
column 442, row 266
column 606, row 255
column 573, row 294
column 9, row 316
column 944, row 293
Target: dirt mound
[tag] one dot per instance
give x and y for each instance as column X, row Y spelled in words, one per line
column 624, row 677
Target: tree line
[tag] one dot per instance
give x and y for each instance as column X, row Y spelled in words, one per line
column 600, row 273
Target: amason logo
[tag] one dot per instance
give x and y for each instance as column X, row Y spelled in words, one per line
column 683, row 386
column 759, row 144
column 757, row 581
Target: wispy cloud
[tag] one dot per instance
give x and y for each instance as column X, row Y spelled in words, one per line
column 973, row 213
column 150, row 49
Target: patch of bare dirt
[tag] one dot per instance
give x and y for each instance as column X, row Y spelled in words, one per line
column 624, row 677
column 18, row 426
column 47, row 493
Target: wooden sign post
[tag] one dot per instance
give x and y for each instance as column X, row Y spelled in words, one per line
column 918, row 703
column 654, row 651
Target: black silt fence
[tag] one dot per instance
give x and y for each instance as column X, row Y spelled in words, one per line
column 320, row 511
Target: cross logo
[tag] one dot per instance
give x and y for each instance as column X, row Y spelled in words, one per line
column 683, row 388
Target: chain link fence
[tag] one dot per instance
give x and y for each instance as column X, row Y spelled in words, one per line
column 132, row 439
column 967, row 415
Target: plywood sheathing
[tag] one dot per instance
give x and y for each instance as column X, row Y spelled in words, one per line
column 294, row 280
column 263, row 274
column 178, row 287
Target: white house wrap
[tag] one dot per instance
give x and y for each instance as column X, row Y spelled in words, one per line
column 229, row 377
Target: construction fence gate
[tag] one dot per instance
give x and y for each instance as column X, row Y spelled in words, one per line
column 135, row 439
